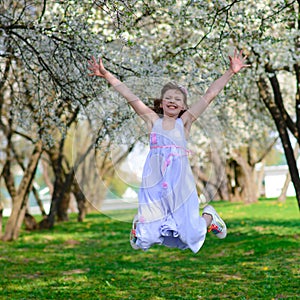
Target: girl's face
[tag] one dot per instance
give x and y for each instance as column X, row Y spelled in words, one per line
column 173, row 102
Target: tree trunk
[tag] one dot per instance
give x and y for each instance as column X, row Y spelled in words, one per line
column 49, row 221
column 233, row 179
column 46, row 177
column 282, row 196
column 220, row 174
column 35, row 192
column 64, row 203
column 213, row 186
column 80, row 199
column 281, row 124
column 61, row 190
column 249, row 186
column 60, row 201
column 291, row 161
column 65, row 197
column 20, row 201
column 30, row 222
column 39, row 201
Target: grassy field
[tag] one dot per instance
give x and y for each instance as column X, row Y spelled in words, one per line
column 259, row 259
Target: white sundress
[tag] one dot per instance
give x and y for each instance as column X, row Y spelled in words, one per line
column 168, row 212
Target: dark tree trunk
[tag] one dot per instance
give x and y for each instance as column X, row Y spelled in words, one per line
column 282, row 122
column 282, row 196
column 30, row 222
column 60, row 202
column 235, row 181
column 81, row 201
column 1, row 218
column 39, row 201
column 56, row 157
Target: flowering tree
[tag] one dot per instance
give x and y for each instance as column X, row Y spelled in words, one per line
column 181, row 36
column 45, row 89
column 269, row 32
column 28, row 109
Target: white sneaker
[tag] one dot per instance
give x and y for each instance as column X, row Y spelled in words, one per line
column 217, row 226
column 133, row 237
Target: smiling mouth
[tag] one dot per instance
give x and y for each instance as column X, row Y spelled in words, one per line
column 172, row 106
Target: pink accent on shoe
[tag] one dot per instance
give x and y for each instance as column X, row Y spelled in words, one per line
column 218, row 226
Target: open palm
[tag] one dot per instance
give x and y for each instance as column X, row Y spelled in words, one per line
column 96, row 68
column 237, row 62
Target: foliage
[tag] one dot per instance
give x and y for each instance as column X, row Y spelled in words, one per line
column 146, row 43
column 93, row 260
column 43, row 65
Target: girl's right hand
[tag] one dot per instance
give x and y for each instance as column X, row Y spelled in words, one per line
column 97, row 68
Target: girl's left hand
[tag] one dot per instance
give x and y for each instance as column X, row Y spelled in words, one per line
column 97, row 68
column 237, row 62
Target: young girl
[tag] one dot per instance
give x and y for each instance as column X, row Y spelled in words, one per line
column 168, row 212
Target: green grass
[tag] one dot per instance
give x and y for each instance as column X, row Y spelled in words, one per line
column 259, row 259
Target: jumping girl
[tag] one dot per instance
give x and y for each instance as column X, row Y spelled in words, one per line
column 168, row 212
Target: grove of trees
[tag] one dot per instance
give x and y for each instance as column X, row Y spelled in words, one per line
column 55, row 117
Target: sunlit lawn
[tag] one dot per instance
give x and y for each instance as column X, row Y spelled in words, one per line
column 260, row 259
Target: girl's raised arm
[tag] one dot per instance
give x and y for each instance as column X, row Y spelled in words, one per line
column 237, row 62
column 141, row 109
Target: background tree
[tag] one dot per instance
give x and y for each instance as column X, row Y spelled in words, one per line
column 45, row 88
